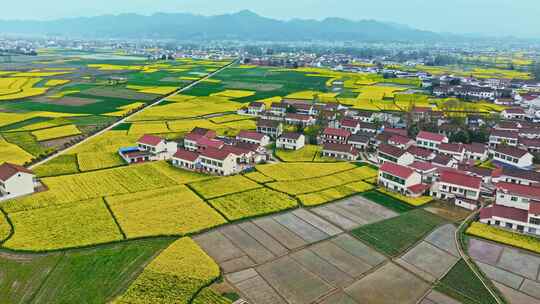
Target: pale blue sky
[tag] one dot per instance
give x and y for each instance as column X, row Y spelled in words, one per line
column 501, row 17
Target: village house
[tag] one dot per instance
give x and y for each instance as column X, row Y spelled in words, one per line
column 427, row 170
column 253, row 137
column 366, row 127
column 514, row 113
column 500, row 137
column 430, row 141
column 422, row 154
column 270, row 127
column 336, row 136
column 531, row 145
column 303, row 120
column 359, row 141
column 350, row 125
column 187, row 160
column 401, row 142
column 149, row 148
column 454, row 150
column 460, row 187
column 278, row 109
column 529, row 133
column 388, row 153
column 518, row 176
column 291, row 141
column 16, row 181
column 513, row 156
column 476, row 152
column 219, row 162
column 340, row 151
column 444, row 161
column 256, row 108
column 517, row 207
column 364, row 116
column 200, row 139
column 401, row 179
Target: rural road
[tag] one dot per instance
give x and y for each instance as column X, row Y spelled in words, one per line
column 62, row 151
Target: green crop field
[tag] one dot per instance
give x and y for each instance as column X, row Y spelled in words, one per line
column 395, row 235
column 94, row 275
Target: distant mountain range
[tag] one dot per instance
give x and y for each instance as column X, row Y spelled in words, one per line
column 244, row 25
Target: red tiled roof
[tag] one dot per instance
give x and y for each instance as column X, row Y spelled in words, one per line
column 150, row 140
column 476, row 148
column 534, row 207
column 391, row 150
column 516, row 214
column 461, row 179
column 420, row 152
column 340, row 148
column 192, row 137
column 530, row 143
column 522, row 174
column 204, row 132
column 512, row 151
column 422, row 166
column 419, row 188
column 291, row 135
column 442, row 160
column 214, row 153
column 7, row 170
column 397, row 170
column 206, row 142
column 250, row 135
column 236, row 150
column 301, row 117
column 515, row 111
column 186, row 155
column 521, row 190
column 349, row 123
column 505, row 134
column 398, row 139
column 431, row 136
column 337, row 132
column 453, row 147
column 401, row 132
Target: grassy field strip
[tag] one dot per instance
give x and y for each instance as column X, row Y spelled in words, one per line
column 123, row 120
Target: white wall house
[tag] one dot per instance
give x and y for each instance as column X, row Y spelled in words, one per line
column 454, row 150
column 513, row 156
column 518, row 176
column 513, row 113
column 400, row 179
column 516, row 207
column 291, row 141
column 388, row 153
column 252, row 137
column 340, row 151
column 476, row 152
column 462, row 188
column 502, row 137
column 185, row 159
column 220, row 162
column 430, row 141
column 16, row 181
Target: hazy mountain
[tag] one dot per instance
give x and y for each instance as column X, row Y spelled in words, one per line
column 244, row 25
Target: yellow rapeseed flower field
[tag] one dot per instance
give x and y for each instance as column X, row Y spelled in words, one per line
column 294, row 171
column 13, row 153
column 56, row 132
column 504, row 236
column 332, row 194
column 56, row 227
column 223, row 186
column 167, row 211
column 173, row 277
column 414, row 201
column 253, row 203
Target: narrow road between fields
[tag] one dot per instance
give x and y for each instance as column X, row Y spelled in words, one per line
column 123, row 120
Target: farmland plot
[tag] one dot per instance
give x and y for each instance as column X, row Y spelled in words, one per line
column 223, row 186
column 56, row 227
column 167, row 211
